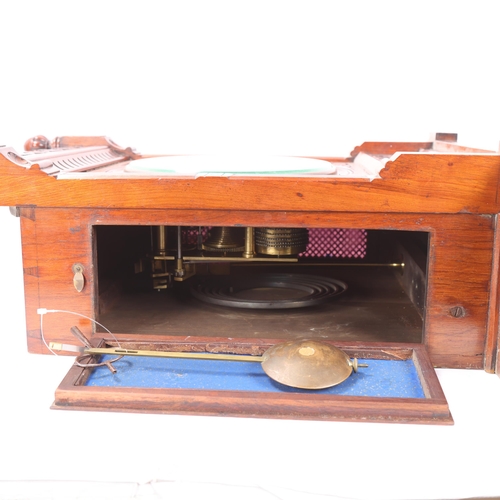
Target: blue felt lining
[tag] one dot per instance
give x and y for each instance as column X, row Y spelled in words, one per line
column 382, row 378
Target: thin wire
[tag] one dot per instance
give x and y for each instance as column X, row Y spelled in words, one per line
column 43, row 336
column 76, row 314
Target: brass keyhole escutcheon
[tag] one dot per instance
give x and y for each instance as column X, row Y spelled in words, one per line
column 78, row 278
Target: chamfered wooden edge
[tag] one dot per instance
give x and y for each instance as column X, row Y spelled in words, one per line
column 433, row 409
column 468, row 183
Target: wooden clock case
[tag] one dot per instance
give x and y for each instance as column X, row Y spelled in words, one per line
column 425, row 287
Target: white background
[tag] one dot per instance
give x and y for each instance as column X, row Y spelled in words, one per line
column 304, row 78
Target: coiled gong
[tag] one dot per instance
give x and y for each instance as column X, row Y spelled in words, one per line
column 267, row 291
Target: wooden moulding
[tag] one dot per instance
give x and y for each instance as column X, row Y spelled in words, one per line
column 72, row 394
column 411, row 182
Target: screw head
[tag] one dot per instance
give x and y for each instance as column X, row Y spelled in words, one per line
column 457, row 312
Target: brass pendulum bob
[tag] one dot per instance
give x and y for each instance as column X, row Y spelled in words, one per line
column 304, row 364
column 308, row 364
